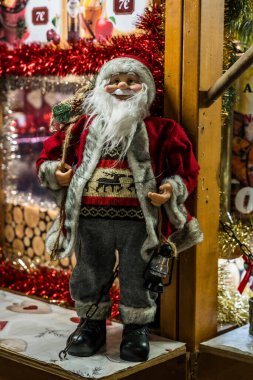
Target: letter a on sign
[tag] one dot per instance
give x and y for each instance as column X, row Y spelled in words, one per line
column 123, row 7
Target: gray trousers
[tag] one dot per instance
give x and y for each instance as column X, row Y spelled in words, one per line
column 97, row 241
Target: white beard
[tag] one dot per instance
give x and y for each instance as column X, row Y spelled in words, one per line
column 116, row 119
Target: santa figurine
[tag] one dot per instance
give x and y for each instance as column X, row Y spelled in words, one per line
column 122, row 169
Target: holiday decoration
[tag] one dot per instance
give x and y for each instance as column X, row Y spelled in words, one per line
column 51, row 284
column 246, row 253
column 28, row 209
column 103, row 29
column 111, row 188
column 26, row 21
column 31, row 68
column 36, row 60
column 23, row 125
column 18, row 274
column 62, row 112
column 60, row 21
column 101, row 20
column 232, row 307
column 228, row 246
column 248, row 265
column 27, row 113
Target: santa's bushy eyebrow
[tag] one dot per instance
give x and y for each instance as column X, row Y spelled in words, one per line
column 128, row 73
column 114, row 75
column 133, row 73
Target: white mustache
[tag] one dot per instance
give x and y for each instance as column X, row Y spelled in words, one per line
column 123, row 92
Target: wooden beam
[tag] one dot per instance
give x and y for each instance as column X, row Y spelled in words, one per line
column 202, row 66
column 172, row 109
column 173, row 59
column 193, row 62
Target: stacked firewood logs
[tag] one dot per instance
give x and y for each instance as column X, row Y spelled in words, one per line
column 25, row 233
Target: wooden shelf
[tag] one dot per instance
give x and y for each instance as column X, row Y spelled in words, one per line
column 228, row 356
column 13, row 366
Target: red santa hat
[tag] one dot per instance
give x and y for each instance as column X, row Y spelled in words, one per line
column 127, row 64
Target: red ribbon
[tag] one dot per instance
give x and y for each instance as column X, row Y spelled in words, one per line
column 247, row 275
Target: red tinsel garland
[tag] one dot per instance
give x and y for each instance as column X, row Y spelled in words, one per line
column 43, row 282
column 47, row 283
column 86, row 57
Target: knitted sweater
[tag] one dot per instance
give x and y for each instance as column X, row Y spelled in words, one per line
column 111, row 193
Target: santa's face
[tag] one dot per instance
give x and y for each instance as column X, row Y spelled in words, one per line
column 119, row 104
column 123, row 85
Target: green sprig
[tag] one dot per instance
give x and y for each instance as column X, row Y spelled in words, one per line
column 62, row 112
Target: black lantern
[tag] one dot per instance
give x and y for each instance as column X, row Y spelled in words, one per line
column 159, row 267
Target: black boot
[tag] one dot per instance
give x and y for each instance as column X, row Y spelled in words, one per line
column 91, row 339
column 135, row 343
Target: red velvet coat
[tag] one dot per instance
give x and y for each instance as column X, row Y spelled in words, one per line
column 170, row 152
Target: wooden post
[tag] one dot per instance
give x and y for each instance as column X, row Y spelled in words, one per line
column 172, row 109
column 201, row 27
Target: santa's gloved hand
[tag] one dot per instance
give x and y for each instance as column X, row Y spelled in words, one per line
column 64, row 175
column 158, row 199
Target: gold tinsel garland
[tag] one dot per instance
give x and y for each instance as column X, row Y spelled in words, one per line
column 228, row 247
column 232, row 306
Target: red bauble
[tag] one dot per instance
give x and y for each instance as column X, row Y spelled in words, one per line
column 103, row 29
column 50, row 34
column 56, row 39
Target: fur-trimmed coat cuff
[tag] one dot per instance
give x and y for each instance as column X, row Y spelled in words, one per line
column 47, row 175
column 188, row 236
column 175, row 208
column 140, row 315
column 101, row 313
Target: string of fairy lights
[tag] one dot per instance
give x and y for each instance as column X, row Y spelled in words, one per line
column 10, row 137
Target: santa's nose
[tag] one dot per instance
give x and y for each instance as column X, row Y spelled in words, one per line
column 122, row 85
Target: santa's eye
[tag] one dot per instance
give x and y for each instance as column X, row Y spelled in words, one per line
column 115, row 81
column 130, row 81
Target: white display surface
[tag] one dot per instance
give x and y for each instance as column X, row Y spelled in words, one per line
column 39, row 330
column 238, row 341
